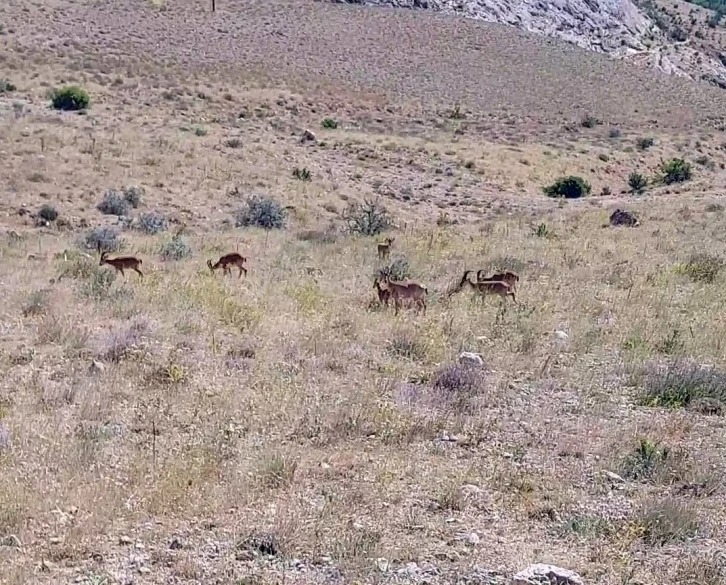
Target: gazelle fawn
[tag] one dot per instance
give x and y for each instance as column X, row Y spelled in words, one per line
column 384, row 294
column 407, row 290
column 120, row 263
column 496, row 287
column 384, row 249
column 228, row 260
column 508, row 276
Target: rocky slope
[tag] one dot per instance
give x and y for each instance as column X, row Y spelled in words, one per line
column 647, row 34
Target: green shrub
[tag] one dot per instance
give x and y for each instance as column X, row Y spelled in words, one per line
column 132, row 195
column 70, row 98
column 676, row 170
column 571, row 187
column 261, row 211
column 367, row 219
column 590, row 121
column 48, row 213
column 397, row 269
column 644, row 143
column 303, row 174
column 637, row 182
column 151, row 223
column 646, row 460
column 6, row 86
column 329, row 123
column 663, row 521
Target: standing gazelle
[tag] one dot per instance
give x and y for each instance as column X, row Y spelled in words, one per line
column 484, row 287
column 232, row 259
column 407, row 290
column 120, row 263
column 384, row 249
column 508, row 276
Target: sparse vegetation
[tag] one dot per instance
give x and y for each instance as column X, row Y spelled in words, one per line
column 176, row 248
column 104, row 237
column 329, row 123
column 261, row 211
column 644, row 143
column 70, row 98
column 303, row 174
column 397, row 269
column 133, row 195
column 367, row 219
column 683, row 383
column 152, row 223
column 590, row 121
column 571, row 187
column 48, row 213
column 6, row 86
column 703, row 267
column 663, row 521
column 114, row 203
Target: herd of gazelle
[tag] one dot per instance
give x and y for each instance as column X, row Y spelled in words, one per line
column 502, row 284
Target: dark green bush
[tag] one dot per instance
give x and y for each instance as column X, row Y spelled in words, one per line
column 113, row 203
column 6, row 86
column 367, row 219
column 637, row 182
column 703, row 267
column 329, row 123
column 644, row 143
column 681, row 383
column 70, row 98
column 571, row 187
column 397, row 269
column 676, row 170
column 48, row 213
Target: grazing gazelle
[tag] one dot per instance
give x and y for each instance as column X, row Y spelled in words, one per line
column 484, row 287
column 232, row 259
column 508, row 276
column 120, row 263
column 407, row 290
column 384, row 249
column 384, row 294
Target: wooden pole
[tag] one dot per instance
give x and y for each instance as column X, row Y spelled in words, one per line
column 213, row 5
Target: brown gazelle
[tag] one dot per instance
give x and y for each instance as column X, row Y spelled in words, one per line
column 496, row 287
column 384, row 294
column 121, row 262
column 508, row 276
column 232, row 259
column 384, row 249
column 407, row 290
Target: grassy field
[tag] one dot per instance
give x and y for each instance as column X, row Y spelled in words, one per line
column 190, row 427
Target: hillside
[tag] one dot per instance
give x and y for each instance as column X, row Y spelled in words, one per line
column 672, row 37
column 189, row 426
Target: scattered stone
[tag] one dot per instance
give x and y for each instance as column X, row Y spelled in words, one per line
column 382, row 564
column 541, row 574
column 144, row 570
column 559, row 334
column 473, row 539
column 481, row 576
column 11, row 541
column 626, row 218
column 55, row 540
column 264, row 543
column 614, row 476
column 176, row 544
column 97, row 367
column 470, row 358
column 124, row 540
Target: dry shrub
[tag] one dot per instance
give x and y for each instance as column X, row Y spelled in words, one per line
column 683, row 383
column 120, row 343
column 276, row 471
column 662, row 521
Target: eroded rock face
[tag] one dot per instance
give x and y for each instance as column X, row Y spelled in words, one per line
column 615, row 27
column 541, row 574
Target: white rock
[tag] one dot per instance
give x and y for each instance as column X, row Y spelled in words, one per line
column 473, row 359
column 559, row 334
column 541, row 574
column 614, row 476
column 473, row 539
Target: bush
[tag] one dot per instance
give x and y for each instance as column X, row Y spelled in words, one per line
column 676, row 170
column 682, row 384
column 645, row 461
column 570, row 187
column 637, row 182
column 104, row 237
column 662, row 521
column 6, row 86
column 152, row 223
column 70, row 98
column 590, row 121
column 397, row 269
column 329, row 123
column 175, row 249
column 37, row 303
column 132, row 195
column 404, row 344
column 367, row 218
column 644, row 143
column 261, row 211
column 703, row 267
column 48, row 213
column 303, row 174
column 113, row 203
column 614, row 133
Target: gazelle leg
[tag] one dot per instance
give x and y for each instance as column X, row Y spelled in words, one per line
column 139, row 272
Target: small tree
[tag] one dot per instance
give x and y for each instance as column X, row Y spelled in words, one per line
column 367, row 218
column 113, row 203
column 676, row 170
column 571, row 187
column 637, row 182
column 261, row 211
column 70, row 98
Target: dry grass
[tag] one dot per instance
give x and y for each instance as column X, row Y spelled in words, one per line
column 191, row 426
